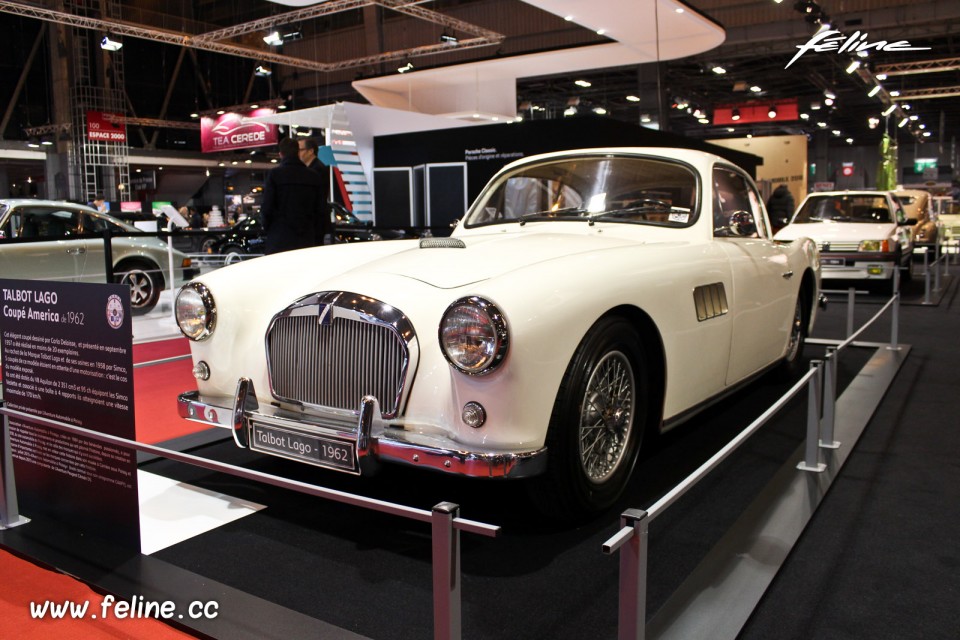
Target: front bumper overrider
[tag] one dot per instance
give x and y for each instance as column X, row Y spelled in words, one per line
column 366, row 435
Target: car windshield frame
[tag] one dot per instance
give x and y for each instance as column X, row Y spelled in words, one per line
column 859, row 208
column 619, row 188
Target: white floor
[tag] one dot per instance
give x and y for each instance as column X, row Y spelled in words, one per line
column 159, row 324
column 171, row 511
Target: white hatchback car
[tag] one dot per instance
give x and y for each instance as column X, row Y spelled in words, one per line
column 861, row 235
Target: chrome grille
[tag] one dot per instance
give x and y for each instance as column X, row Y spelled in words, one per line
column 325, row 355
column 839, row 246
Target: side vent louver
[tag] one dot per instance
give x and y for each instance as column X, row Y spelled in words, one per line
column 710, row 301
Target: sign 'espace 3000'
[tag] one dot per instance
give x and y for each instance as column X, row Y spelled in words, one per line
column 235, row 130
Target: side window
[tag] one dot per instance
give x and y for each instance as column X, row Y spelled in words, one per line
column 53, row 223
column 11, row 228
column 736, row 206
column 93, row 225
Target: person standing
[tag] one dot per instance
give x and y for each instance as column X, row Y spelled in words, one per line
column 293, row 203
column 308, row 156
column 780, row 207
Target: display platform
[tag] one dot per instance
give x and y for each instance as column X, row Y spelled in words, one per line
column 368, row 573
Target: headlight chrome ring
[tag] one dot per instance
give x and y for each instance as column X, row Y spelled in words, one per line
column 473, row 336
column 196, row 311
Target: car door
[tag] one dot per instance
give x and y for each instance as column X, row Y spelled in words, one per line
column 42, row 244
column 92, row 226
column 763, row 296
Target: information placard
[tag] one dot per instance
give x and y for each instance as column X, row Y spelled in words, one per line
column 66, row 350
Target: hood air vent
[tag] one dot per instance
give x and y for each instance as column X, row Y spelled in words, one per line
column 442, row 243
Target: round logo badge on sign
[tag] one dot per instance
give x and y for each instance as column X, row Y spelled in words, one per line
column 115, row 311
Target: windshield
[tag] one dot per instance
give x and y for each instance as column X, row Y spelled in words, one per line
column 610, row 188
column 845, row 208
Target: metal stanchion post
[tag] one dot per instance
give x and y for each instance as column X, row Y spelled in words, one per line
column 851, row 301
column 926, row 276
column 446, row 572
column 9, row 510
column 936, row 271
column 895, row 317
column 810, row 451
column 829, row 400
column 632, row 619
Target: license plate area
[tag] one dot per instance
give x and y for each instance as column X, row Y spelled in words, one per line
column 833, row 262
column 327, row 452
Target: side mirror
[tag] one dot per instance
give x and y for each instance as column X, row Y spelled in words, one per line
column 3, row 234
column 742, row 224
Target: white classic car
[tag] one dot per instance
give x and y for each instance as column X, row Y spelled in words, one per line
column 57, row 240
column 861, row 235
column 586, row 297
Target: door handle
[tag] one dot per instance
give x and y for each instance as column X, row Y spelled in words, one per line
column 77, row 251
column 787, row 275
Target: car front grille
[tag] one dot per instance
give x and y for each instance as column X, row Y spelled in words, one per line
column 331, row 349
column 838, row 246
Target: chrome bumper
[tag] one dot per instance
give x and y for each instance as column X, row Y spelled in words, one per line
column 373, row 440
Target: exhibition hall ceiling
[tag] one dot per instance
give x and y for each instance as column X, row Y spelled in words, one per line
column 182, row 58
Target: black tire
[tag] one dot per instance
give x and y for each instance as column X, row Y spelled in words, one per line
column 206, row 246
column 790, row 365
column 145, row 283
column 595, row 429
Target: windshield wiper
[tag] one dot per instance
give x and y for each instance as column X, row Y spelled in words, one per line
column 658, row 206
column 554, row 213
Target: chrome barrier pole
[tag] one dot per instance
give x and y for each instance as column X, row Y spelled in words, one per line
column 926, row 276
column 634, row 534
column 851, row 301
column 810, row 460
column 9, row 510
column 895, row 315
column 829, row 400
column 446, row 572
column 936, row 272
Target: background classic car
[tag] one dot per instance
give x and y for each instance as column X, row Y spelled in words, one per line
column 861, row 235
column 586, row 297
column 56, row 240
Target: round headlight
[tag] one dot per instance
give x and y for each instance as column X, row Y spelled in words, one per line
column 196, row 313
column 473, row 335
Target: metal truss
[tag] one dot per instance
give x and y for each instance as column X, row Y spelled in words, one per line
column 927, row 94
column 207, row 42
column 918, row 67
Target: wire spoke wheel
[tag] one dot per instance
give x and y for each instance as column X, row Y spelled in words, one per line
column 606, row 416
column 796, row 332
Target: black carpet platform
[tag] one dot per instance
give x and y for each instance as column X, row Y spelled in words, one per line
column 878, row 559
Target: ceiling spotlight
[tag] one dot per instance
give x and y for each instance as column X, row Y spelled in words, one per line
column 33, row 142
column 836, row 132
column 600, row 111
column 914, row 117
column 772, row 112
column 853, row 66
column 633, row 99
column 828, row 102
column 262, row 70
column 735, row 114
column 874, row 91
column 273, row 39
column 730, row 129
column 570, row 111
column 889, row 110
column 405, row 68
column 849, row 140
column 804, row 116
column 645, row 118
column 881, row 76
column 703, row 120
column 873, row 122
column 903, row 123
column 582, row 83
column 822, row 125
column 756, row 89
column 906, row 106
column 718, row 70
column 448, row 39
column 194, row 115
column 600, row 32
column 926, row 134
column 922, row 126
column 110, row 45
column 815, row 106
column 895, row 93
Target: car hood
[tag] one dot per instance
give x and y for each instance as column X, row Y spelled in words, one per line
column 443, row 265
column 837, row 231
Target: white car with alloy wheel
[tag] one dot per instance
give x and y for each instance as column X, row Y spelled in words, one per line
column 586, row 298
column 63, row 241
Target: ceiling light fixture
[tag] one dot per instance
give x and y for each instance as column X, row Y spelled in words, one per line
column 889, row 110
column 448, row 39
column 405, row 68
column 874, row 91
column 719, row 70
column 735, row 114
column 772, row 111
column 903, row 123
column 633, row 99
column 853, row 66
column 273, row 39
column 262, row 70
column 110, row 45
column 756, row 89
column 600, row 111
column 582, row 83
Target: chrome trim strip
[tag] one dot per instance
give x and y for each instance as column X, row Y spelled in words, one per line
column 385, row 443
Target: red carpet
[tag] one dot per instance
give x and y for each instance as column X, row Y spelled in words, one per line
column 155, row 390
column 23, row 583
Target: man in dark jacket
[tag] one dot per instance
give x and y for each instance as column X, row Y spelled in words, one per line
column 293, row 203
column 308, row 156
column 780, row 207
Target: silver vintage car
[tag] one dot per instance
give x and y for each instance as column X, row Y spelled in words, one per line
column 56, row 240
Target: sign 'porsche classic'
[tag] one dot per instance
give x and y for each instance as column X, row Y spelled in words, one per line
column 585, row 298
